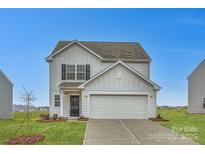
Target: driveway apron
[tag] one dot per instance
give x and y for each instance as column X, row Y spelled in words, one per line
column 131, row 132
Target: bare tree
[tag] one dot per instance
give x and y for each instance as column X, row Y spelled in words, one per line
column 27, row 97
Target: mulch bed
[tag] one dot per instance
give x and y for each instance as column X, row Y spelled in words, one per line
column 26, row 139
column 158, row 119
column 83, row 119
column 51, row 120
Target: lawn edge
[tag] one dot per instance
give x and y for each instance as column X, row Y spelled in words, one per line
column 85, row 135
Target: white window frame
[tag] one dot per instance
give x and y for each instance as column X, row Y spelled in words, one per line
column 57, row 100
column 203, row 102
column 81, row 72
column 75, row 80
column 70, row 72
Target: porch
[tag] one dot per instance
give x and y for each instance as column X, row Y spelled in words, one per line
column 70, row 101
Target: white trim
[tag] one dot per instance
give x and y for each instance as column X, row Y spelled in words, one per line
column 128, row 67
column 70, row 44
column 70, row 90
column 61, row 103
column 117, row 93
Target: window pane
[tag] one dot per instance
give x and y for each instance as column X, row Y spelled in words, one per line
column 81, row 72
column 71, row 68
column 57, row 97
column 70, row 76
column 57, row 103
column 80, row 76
column 57, row 100
column 80, row 68
column 70, row 72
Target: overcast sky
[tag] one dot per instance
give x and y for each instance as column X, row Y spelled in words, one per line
column 174, row 39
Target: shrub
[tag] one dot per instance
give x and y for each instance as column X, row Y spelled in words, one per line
column 159, row 116
column 55, row 116
column 44, row 116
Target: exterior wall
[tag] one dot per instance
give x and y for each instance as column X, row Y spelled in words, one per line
column 78, row 55
column 143, row 68
column 6, row 98
column 196, row 90
column 129, row 83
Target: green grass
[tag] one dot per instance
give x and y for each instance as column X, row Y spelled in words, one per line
column 55, row 133
column 190, row 125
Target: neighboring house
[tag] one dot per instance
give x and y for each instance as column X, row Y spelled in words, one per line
column 196, row 89
column 101, row 80
column 6, row 97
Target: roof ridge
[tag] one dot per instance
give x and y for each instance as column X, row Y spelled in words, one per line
column 100, row 41
column 107, row 50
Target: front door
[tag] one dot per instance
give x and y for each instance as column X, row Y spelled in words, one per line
column 74, row 106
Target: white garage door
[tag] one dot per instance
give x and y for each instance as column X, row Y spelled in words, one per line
column 118, row 107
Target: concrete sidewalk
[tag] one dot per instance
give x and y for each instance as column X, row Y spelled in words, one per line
column 131, row 132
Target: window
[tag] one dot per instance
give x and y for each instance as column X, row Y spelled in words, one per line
column 204, row 102
column 70, row 72
column 75, row 72
column 81, row 72
column 57, row 100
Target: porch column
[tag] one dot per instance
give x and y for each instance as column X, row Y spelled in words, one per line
column 61, row 103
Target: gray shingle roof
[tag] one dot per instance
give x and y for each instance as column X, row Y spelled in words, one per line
column 70, row 84
column 112, row 50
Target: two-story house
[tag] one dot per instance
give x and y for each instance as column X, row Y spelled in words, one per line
column 101, row 80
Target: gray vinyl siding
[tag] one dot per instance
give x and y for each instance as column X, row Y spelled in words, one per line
column 73, row 55
column 142, row 68
column 66, row 106
column 196, row 89
column 6, row 98
column 129, row 82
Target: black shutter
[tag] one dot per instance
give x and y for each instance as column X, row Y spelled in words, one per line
column 63, row 75
column 87, row 72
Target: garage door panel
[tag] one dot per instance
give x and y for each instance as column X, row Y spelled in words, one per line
column 118, row 107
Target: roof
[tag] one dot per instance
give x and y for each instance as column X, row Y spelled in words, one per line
column 193, row 72
column 110, row 50
column 1, row 72
column 70, row 84
column 155, row 86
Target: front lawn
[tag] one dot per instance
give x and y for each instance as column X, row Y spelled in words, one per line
column 190, row 125
column 55, row 132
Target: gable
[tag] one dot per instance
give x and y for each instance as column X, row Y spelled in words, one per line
column 119, row 78
column 198, row 71
column 75, row 50
column 4, row 80
column 67, row 47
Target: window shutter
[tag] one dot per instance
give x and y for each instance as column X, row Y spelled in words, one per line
column 87, row 72
column 63, row 72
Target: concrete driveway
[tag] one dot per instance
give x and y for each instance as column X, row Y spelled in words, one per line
column 131, row 132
